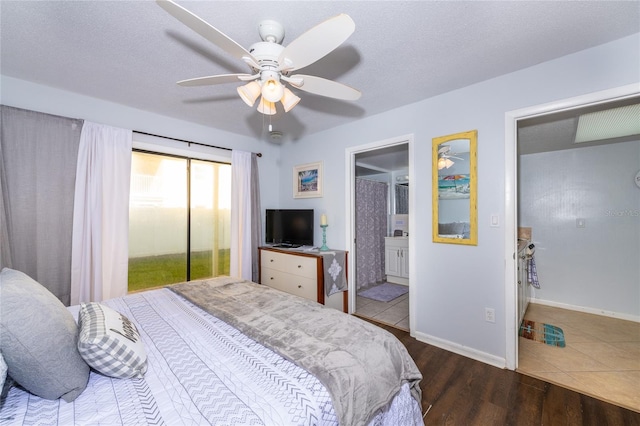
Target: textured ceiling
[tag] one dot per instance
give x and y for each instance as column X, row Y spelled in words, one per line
column 133, row 52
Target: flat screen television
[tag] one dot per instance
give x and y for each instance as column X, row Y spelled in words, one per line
column 289, row 227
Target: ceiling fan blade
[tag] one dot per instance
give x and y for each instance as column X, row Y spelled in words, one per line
column 203, row 28
column 214, row 79
column 317, row 42
column 328, row 88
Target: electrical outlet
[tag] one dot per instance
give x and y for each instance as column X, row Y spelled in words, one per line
column 490, row 315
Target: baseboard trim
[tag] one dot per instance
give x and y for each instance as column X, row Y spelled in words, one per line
column 461, row 350
column 587, row 310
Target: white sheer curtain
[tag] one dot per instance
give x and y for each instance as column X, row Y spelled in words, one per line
column 246, row 228
column 100, row 245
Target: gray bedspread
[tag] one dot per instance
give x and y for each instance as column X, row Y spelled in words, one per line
column 362, row 365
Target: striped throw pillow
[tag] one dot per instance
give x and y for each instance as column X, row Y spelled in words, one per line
column 110, row 343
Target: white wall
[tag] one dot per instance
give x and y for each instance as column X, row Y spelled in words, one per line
column 595, row 267
column 453, row 284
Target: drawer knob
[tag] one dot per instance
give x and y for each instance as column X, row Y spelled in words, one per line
column 271, row 260
column 299, row 266
column 299, row 285
column 271, row 278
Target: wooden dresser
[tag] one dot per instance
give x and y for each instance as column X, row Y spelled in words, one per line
column 299, row 273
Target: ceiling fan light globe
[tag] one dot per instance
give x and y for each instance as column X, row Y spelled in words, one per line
column 272, row 90
column 249, row 92
column 266, row 107
column 444, row 162
column 289, row 100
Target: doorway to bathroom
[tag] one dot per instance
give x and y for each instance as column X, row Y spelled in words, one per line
column 379, row 212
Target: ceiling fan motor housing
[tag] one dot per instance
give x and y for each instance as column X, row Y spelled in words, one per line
column 271, row 31
column 267, row 54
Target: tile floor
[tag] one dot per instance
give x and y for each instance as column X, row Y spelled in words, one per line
column 601, row 357
column 394, row 313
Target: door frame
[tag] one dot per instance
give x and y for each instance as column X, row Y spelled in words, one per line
column 511, row 195
column 350, row 171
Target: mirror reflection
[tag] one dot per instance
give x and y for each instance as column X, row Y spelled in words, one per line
column 402, row 198
column 454, row 189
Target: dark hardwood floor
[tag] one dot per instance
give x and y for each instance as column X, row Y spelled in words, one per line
column 462, row 391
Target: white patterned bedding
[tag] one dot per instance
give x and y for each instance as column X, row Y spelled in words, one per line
column 200, row 371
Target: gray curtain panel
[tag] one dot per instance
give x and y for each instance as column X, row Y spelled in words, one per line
column 256, row 219
column 402, row 199
column 38, row 156
column 371, row 228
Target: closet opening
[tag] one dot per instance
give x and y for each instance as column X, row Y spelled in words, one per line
column 564, row 195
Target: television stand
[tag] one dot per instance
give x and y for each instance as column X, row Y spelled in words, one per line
column 300, row 273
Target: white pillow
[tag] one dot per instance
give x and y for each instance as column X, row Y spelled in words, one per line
column 3, row 372
column 110, row 343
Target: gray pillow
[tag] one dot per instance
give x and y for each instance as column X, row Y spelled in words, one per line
column 38, row 337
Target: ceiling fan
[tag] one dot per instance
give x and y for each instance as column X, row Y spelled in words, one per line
column 271, row 63
column 445, row 156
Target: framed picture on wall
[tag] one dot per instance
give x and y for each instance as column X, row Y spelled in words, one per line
column 307, row 180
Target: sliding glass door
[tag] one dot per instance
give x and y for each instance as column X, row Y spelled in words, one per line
column 179, row 220
column 210, row 224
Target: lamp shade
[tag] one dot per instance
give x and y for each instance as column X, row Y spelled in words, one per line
column 272, row 90
column 289, row 100
column 249, row 92
column 266, row 107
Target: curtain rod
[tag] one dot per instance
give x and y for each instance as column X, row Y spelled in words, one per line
column 259, row 154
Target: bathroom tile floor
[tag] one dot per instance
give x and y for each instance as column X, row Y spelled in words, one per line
column 601, row 357
column 394, row 313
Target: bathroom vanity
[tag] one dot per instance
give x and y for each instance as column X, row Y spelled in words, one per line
column 396, row 259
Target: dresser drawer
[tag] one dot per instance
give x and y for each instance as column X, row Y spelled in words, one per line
column 297, row 265
column 290, row 283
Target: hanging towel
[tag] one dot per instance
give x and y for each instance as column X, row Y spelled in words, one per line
column 532, row 274
column 335, row 278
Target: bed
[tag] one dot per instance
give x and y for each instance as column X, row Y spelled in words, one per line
column 227, row 352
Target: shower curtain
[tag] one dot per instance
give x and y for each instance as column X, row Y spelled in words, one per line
column 371, row 228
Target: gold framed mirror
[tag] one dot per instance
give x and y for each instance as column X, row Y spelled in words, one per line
column 454, row 193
